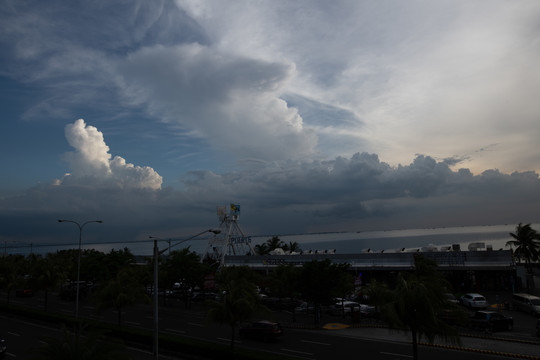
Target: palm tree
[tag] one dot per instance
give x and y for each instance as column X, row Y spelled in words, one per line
column 321, row 281
column 284, row 282
column 46, row 274
column 527, row 243
column 11, row 273
column 184, row 266
column 378, row 294
column 292, row 247
column 418, row 301
column 270, row 245
column 274, row 243
column 240, row 300
column 121, row 291
column 261, row 249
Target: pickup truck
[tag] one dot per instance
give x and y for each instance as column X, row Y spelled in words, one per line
column 491, row 321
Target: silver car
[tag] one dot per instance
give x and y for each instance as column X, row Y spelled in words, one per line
column 474, row 301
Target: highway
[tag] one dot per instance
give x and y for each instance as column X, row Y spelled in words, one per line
column 24, row 337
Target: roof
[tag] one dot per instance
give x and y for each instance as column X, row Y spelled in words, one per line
column 446, row 260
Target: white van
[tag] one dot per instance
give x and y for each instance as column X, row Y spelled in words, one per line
column 526, row 302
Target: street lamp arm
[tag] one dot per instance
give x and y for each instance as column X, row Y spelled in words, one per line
column 157, row 252
column 214, row 231
column 79, row 225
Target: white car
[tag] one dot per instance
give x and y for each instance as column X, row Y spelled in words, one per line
column 305, row 308
column 474, row 301
column 347, row 307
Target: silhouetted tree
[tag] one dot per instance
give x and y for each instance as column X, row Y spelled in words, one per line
column 417, row 303
column 527, row 243
column 121, row 291
column 321, row 281
column 239, row 298
column 292, row 247
column 284, row 283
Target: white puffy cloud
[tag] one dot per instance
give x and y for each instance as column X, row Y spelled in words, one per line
column 91, row 162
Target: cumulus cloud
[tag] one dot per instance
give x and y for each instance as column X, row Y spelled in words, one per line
column 354, row 193
column 362, row 192
column 91, row 162
column 233, row 102
column 430, row 78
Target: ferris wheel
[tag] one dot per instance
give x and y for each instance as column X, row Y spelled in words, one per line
column 232, row 240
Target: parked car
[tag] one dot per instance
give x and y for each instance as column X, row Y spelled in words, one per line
column 526, row 302
column 538, row 327
column 344, row 307
column 275, row 303
column 474, row 301
column 491, row 321
column 305, row 308
column 348, row 307
column 451, row 298
column 203, row 296
column 3, row 348
column 262, row 330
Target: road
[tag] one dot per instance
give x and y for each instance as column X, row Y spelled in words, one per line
column 24, row 337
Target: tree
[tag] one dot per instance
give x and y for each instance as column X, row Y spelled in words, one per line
column 12, row 271
column 240, row 300
column 321, row 281
column 46, row 274
column 270, row 245
column 378, row 294
column 284, row 282
column 527, row 243
column 184, row 266
column 261, row 249
column 121, row 291
column 417, row 303
column 274, row 243
column 292, row 246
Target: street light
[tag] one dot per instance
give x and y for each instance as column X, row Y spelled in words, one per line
column 158, row 252
column 79, row 259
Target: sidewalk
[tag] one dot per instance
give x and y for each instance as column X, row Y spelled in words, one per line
column 512, row 348
column 503, row 345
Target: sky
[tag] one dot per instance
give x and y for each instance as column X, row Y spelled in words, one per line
column 313, row 116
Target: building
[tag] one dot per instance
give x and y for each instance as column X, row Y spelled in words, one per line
column 465, row 270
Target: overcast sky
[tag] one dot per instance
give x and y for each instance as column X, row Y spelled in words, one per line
column 314, row 116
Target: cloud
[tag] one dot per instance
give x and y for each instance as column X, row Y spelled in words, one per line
column 361, row 192
column 233, row 102
column 325, row 104
column 424, row 78
column 356, row 193
column 91, row 162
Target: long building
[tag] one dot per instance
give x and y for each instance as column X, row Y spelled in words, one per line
column 465, row 270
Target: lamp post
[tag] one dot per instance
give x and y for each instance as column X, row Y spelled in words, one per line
column 79, row 259
column 158, row 252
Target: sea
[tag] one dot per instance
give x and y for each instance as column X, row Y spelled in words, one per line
column 428, row 239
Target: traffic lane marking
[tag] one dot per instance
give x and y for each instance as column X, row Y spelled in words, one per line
column 315, row 342
column 297, row 352
column 395, row 354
